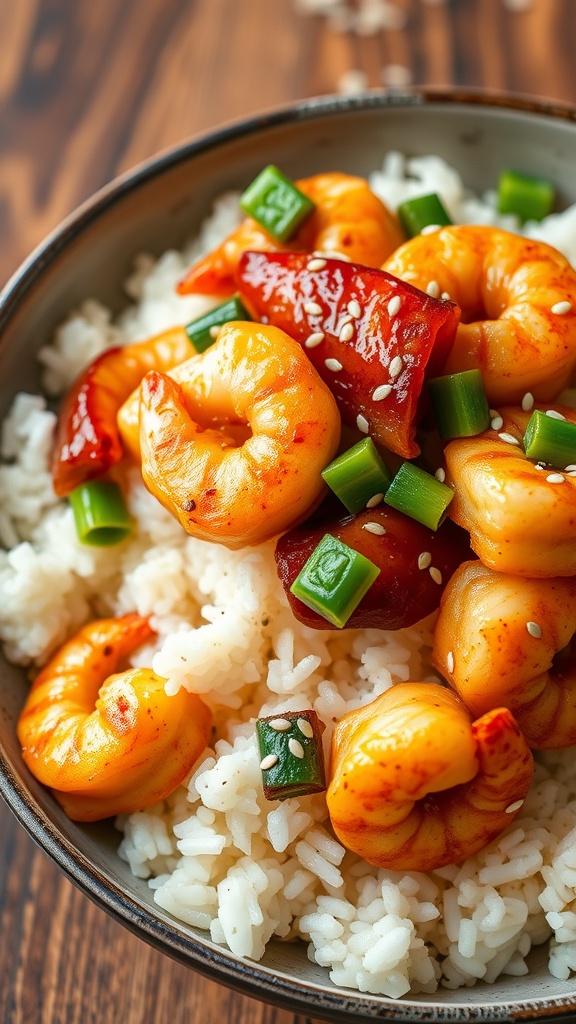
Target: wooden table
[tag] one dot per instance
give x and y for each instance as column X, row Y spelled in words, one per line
column 87, row 89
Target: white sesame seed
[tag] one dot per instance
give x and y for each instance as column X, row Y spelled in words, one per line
column 312, row 308
column 512, row 808
column 314, row 339
column 374, row 528
column 381, row 392
column 440, row 474
column 394, row 305
column 346, row 332
column 527, row 401
column 429, row 229
column 534, row 629
column 433, row 289
column 496, row 423
column 570, row 469
column 445, row 296
column 268, row 762
column 280, row 724
column 572, row 473
column 424, row 560
column 509, row 438
column 215, row 330
column 305, row 727
column 374, row 500
column 450, row 661
column 333, row 254
column 354, row 308
column 318, row 263
column 333, row 364
column 539, row 466
column 362, row 423
column 396, row 366
column 555, row 478
column 561, row 308
column 295, row 747
column 435, row 574
column 554, row 415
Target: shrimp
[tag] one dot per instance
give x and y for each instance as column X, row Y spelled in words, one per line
column 504, row 640
column 109, row 744
column 518, row 302
column 87, row 440
column 520, row 515
column 282, row 427
column 415, row 784
column 349, row 220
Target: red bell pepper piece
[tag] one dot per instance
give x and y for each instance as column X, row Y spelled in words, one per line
column 396, row 336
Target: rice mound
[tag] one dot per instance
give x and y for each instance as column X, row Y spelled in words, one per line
column 218, row 856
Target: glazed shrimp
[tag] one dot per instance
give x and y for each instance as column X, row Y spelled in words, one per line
column 109, row 744
column 518, row 302
column 520, row 517
column 349, row 219
column 220, row 486
column 501, row 640
column 87, row 440
column 415, row 784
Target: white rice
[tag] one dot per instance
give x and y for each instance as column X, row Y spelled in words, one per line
column 218, row 856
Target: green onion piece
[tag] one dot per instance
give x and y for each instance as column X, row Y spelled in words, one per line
column 460, row 405
column 358, row 475
column 529, row 197
column 100, row 514
column 204, row 331
column 419, row 495
column 334, row 580
column 422, row 212
column 275, row 202
column 292, row 758
column 550, row 440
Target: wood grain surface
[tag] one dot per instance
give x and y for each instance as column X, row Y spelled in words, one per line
column 87, row 89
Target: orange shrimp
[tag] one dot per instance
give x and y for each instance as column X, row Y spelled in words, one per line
column 349, row 220
column 504, row 640
column 415, row 784
column 109, row 744
column 518, row 302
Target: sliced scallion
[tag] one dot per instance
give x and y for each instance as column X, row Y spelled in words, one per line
column 275, row 202
column 203, row 331
column 419, row 495
column 422, row 212
column 357, row 475
column 460, row 405
column 529, row 197
column 100, row 515
column 292, row 758
column 550, row 440
column 334, row 580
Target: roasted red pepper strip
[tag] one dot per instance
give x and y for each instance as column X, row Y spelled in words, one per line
column 403, row 593
column 378, row 332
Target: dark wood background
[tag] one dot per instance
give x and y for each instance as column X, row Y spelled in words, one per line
column 87, row 89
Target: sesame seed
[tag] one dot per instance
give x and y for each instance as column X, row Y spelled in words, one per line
column 555, row 478
column 445, row 296
column 318, row 263
column 354, row 308
column 561, row 308
column 305, row 727
column 362, row 423
column 295, row 747
column 312, row 308
column 396, row 366
column 429, row 229
column 279, row 724
column 527, row 401
column 433, row 289
column 435, row 574
column 440, row 475
column 450, row 661
column 509, row 438
column 572, row 473
column 314, row 339
column 214, row 330
column 496, row 423
column 394, row 305
column 512, row 808
column 539, row 466
column 554, row 415
column 333, row 364
column 374, row 528
column 346, row 332
column 570, row 469
column 381, row 392
column 374, row 500
column 424, row 560
column 534, row 629
column 268, row 762
column 333, row 254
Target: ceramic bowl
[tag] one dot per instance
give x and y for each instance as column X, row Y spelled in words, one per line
column 158, row 205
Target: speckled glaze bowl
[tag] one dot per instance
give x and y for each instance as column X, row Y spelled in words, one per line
column 158, row 205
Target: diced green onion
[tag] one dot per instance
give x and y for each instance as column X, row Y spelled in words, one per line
column 100, row 514
column 334, row 580
column 275, row 202
column 529, row 197
column 550, row 440
column 460, row 405
column 292, row 758
column 422, row 212
column 419, row 495
column 204, row 331
column 357, row 475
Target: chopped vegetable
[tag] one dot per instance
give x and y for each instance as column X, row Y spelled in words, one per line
column 423, row 212
column 100, row 515
column 275, row 202
column 460, row 405
column 292, row 758
column 204, row 331
column 419, row 495
column 550, row 440
column 358, row 475
column 334, row 580
column 529, row 197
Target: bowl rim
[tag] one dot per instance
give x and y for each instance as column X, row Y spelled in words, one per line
column 217, row 963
